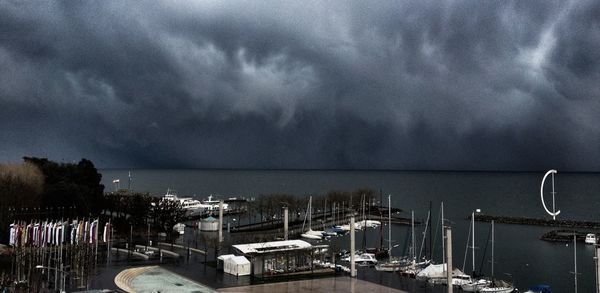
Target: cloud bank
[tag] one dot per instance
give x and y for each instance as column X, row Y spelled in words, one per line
column 466, row 85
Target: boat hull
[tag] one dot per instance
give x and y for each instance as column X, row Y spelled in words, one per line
column 497, row 290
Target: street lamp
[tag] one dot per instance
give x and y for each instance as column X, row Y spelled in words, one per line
column 473, row 236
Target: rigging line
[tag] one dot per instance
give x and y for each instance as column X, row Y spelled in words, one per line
column 466, row 249
column 406, row 241
column 485, row 249
column 436, row 234
column 305, row 215
column 424, row 234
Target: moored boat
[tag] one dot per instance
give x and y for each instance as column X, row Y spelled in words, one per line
column 475, row 285
column 310, row 233
column 363, row 258
column 498, row 286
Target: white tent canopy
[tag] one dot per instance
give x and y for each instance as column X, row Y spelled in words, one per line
column 237, row 265
column 221, row 260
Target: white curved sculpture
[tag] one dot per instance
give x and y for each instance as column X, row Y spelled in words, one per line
column 554, row 213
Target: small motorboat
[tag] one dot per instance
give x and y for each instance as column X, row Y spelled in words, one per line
column 498, row 286
column 363, row 259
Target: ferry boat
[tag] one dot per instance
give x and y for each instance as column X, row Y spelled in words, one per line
column 187, row 203
column 193, row 205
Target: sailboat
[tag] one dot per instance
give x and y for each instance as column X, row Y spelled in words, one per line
column 476, row 284
column 392, row 265
column 412, row 267
column 497, row 286
column 437, row 273
column 311, row 234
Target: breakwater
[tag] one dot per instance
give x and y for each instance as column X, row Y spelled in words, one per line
column 563, row 235
column 536, row 221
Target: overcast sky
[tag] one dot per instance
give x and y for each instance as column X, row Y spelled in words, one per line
column 467, row 85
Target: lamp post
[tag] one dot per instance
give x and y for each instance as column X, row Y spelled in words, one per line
column 473, row 237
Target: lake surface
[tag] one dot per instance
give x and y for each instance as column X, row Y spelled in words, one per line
column 518, row 251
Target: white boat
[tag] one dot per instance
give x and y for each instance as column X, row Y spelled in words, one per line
column 389, row 266
column 346, row 227
column 363, row 258
column 458, row 279
column 194, row 205
column 498, row 287
column 367, row 224
column 187, row 203
column 475, row 285
column 392, row 265
column 212, row 205
column 591, row 238
column 310, row 233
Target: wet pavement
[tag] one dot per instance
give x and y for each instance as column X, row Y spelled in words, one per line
column 325, row 285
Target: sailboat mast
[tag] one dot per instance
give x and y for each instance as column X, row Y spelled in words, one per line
column 325, row 214
column 424, row 234
column 310, row 213
column 492, row 248
column 575, row 259
column 473, row 240
column 466, row 250
column 390, row 226
column 364, row 223
column 442, row 230
column 412, row 224
column 430, row 234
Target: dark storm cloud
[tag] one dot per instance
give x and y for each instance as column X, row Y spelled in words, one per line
column 402, row 85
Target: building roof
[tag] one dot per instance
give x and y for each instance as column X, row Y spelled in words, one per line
column 273, row 246
column 238, row 260
column 225, row 256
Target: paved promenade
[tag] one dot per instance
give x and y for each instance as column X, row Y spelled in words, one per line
column 157, row 279
column 325, row 285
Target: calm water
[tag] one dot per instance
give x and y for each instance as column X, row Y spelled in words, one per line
column 519, row 252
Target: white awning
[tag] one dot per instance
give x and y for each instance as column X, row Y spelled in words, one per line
column 273, row 246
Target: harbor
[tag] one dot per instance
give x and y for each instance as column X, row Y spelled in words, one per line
column 197, row 245
column 456, row 214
